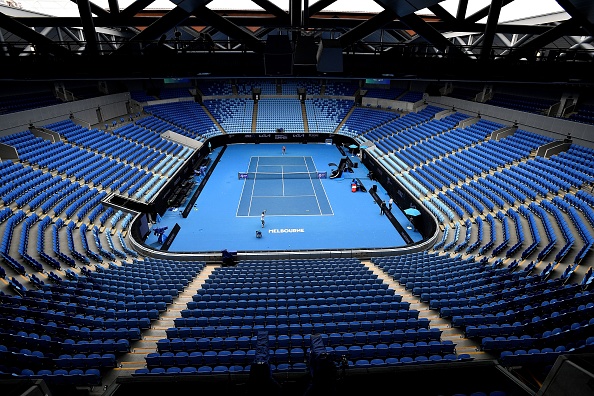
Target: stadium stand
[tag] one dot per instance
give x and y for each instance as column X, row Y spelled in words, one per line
column 507, row 273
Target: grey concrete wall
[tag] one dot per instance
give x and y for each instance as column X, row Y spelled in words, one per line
column 8, row 152
column 443, row 114
column 503, row 132
column 557, row 149
column 385, row 103
column 46, row 134
column 110, row 111
column 582, row 134
column 174, row 100
column 468, row 122
column 85, row 110
column 548, row 150
column 181, row 139
column 88, row 116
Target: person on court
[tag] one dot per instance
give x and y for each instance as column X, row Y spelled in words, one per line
column 383, row 207
column 262, row 218
column 284, row 150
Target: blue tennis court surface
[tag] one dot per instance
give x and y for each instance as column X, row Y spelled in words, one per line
column 226, row 214
column 283, row 186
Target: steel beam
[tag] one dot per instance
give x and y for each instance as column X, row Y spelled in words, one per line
column 583, row 42
column 95, row 9
column 72, row 36
column 84, row 10
column 321, row 23
column 461, row 12
column 492, row 20
column 434, row 37
column 577, row 15
column 295, row 13
column 29, row 49
column 504, row 39
column 475, row 43
column 515, row 43
column 399, row 35
column 480, row 14
column 158, row 28
column 222, row 24
column 135, row 8
column 305, row 12
column 442, row 13
column 273, row 9
column 366, row 28
column 42, row 43
column 114, row 7
column 319, row 6
column 529, row 49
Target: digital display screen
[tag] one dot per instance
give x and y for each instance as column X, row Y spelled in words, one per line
column 176, row 80
column 377, row 81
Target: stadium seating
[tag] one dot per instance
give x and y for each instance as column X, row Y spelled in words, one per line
column 516, row 228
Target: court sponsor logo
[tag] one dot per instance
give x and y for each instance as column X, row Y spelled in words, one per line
column 285, row 230
column 280, row 137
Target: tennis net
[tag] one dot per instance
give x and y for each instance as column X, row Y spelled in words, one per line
column 281, row 175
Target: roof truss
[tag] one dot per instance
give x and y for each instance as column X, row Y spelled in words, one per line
column 443, row 34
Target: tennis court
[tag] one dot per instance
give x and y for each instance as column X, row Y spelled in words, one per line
column 348, row 220
column 283, row 186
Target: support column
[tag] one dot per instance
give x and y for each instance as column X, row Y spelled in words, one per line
column 84, row 9
column 490, row 29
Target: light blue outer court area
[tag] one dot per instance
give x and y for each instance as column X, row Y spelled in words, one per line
column 329, row 216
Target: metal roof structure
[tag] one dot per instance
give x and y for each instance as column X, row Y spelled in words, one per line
column 190, row 39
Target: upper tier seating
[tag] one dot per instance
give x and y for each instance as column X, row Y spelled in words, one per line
column 584, row 113
column 522, row 103
column 189, row 116
column 215, row 87
column 234, row 115
column 341, row 88
column 279, row 113
column 16, row 103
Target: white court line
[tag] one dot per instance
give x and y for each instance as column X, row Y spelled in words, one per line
column 283, row 179
column 312, row 186
column 286, row 196
column 253, row 185
column 283, row 156
column 291, row 215
column 315, row 195
column 322, row 184
column 240, row 197
column 295, row 215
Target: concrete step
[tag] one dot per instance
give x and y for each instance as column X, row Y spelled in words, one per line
column 447, row 332
column 135, row 359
